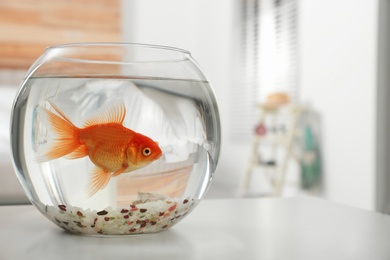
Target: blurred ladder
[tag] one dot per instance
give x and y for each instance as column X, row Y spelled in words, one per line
column 277, row 169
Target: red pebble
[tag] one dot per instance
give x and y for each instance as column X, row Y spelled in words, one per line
column 132, row 206
column 134, row 209
column 172, row 208
column 124, row 210
column 106, row 218
column 132, row 230
column 79, row 214
column 126, row 216
column 161, row 214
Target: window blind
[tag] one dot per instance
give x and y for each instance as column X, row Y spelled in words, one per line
column 245, row 82
column 266, row 59
column 286, row 39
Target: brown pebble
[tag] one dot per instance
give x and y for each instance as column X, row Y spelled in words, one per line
column 79, row 214
column 126, row 216
column 143, row 210
column 106, row 218
column 124, row 210
column 185, row 201
column 143, row 225
column 153, row 223
column 101, row 213
column 62, row 207
column 165, row 226
column 161, row 214
column 132, row 230
column 81, row 225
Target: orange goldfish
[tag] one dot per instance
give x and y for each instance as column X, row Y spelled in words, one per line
column 113, row 148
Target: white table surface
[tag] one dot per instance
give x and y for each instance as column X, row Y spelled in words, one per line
column 271, row 228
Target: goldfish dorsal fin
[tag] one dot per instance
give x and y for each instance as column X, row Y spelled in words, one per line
column 114, row 114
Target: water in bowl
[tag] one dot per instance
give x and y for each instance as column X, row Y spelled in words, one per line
column 178, row 114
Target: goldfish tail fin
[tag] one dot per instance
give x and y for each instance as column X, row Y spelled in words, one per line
column 80, row 152
column 66, row 138
column 100, row 178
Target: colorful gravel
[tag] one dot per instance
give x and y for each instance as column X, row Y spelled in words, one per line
column 142, row 216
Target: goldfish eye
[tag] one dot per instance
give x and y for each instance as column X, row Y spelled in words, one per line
column 147, row 151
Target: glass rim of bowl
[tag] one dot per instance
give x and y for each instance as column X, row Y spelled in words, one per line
column 123, row 45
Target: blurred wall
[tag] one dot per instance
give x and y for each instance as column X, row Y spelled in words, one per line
column 27, row 29
column 338, row 45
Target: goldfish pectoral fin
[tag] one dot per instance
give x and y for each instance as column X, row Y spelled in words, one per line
column 121, row 170
column 115, row 113
column 100, row 178
column 78, row 153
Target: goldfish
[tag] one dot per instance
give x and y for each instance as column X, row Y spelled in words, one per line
column 111, row 147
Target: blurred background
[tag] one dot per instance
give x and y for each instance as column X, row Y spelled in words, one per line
column 301, row 84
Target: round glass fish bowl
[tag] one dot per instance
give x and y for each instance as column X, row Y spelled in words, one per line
column 115, row 138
